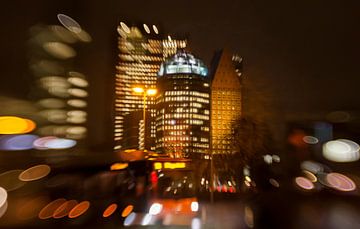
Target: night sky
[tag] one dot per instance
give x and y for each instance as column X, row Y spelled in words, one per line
column 299, row 56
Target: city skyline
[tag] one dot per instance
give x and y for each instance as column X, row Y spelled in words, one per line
column 192, row 114
column 284, row 58
column 144, row 64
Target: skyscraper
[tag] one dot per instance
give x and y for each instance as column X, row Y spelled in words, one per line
column 59, row 89
column 141, row 51
column 226, row 100
column 183, row 107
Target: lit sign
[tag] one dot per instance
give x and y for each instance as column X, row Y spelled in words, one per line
column 169, row 165
column 174, row 165
column 157, row 165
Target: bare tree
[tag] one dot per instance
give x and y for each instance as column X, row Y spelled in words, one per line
column 251, row 139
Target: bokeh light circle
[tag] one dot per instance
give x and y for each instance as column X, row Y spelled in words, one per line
column 60, row 143
column 64, row 209
column 340, row 182
column 79, row 209
column 59, row 50
column 17, row 142
column 304, row 183
column 41, row 142
column 3, row 196
column 310, row 140
column 127, row 211
column 119, row 166
column 341, row 150
column 110, row 210
column 9, row 180
column 15, row 125
column 147, row 219
column 77, row 92
column 35, row 173
column 77, row 103
column 79, row 82
column 69, row 23
column 48, row 211
column 312, row 166
column 274, row 182
column 309, row 175
column 52, row 103
column 130, row 219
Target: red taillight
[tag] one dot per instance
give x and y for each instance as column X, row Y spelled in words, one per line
column 153, row 177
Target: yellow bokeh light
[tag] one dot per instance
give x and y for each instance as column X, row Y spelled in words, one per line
column 118, row 166
column 310, row 176
column 157, row 165
column 15, row 125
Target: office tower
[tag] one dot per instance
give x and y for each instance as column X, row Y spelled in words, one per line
column 183, row 107
column 141, row 51
column 225, row 99
column 59, row 89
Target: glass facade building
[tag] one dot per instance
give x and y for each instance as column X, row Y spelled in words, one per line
column 141, row 51
column 183, row 107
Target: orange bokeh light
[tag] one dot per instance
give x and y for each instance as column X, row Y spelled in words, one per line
column 48, row 211
column 64, row 209
column 118, row 166
column 15, row 125
column 127, row 211
column 110, row 210
column 79, row 209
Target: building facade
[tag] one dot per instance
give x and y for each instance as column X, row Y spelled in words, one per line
column 60, row 90
column 183, row 107
column 141, row 51
column 226, row 102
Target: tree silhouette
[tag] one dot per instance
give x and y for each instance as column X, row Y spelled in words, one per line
column 251, row 139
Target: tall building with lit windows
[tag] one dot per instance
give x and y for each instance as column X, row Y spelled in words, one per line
column 183, row 107
column 59, row 89
column 141, row 51
column 226, row 103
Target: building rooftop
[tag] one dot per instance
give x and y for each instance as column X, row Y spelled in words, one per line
column 183, row 62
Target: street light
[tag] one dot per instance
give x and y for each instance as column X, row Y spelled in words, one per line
column 145, row 92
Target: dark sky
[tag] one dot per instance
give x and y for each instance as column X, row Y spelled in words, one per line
column 299, row 56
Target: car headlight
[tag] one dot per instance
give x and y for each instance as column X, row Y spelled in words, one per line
column 155, row 209
column 194, row 206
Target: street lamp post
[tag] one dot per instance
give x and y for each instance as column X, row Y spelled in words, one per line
column 145, row 92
